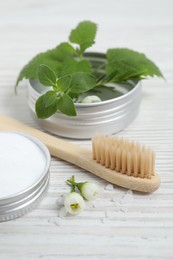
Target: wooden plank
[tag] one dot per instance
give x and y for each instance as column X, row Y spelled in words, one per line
column 108, row 229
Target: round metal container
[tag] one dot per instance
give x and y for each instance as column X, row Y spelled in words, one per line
column 23, row 182
column 113, row 114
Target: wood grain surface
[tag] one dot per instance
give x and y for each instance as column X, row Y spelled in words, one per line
column 117, row 225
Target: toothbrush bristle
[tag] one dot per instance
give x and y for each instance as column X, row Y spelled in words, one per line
column 122, row 155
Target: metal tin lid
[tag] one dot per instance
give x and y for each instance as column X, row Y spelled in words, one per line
column 24, row 173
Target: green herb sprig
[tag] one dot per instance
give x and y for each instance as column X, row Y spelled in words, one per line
column 59, row 98
column 68, row 74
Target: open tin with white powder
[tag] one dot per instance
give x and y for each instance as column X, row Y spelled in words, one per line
column 24, row 173
column 119, row 107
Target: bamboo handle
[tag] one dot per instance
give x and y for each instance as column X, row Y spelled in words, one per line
column 81, row 157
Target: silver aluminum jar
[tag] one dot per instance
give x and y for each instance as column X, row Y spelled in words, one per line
column 24, row 200
column 107, row 117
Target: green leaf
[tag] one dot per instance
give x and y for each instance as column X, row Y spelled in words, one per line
column 52, row 58
column 68, row 67
column 82, row 82
column 84, row 66
column 71, row 66
column 74, row 96
column 66, row 105
column 46, row 105
column 63, row 83
column 64, row 51
column 84, row 35
column 46, row 76
column 124, row 64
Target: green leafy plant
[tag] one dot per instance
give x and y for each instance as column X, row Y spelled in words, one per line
column 69, row 74
column 59, row 97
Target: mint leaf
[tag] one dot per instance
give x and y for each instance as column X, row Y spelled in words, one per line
column 71, row 66
column 66, row 105
column 63, row 83
column 82, row 82
column 30, row 70
column 46, row 105
column 124, row 64
column 68, row 67
column 46, row 76
column 84, row 35
column 74, row 96
column 84, row 66
column 52, row 58
column 64, row 51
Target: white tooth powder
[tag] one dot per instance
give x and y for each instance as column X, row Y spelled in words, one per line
column 22, row 163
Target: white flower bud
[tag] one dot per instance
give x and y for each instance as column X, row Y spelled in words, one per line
column 74, row 203
column 90, row 191
column 91, row 99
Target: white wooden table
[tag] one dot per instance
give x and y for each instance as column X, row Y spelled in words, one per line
column 141, row 228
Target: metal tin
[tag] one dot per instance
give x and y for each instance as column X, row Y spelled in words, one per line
column 106, row 117
column 24, row 199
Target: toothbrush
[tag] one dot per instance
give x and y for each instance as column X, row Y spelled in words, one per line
column 97, row 161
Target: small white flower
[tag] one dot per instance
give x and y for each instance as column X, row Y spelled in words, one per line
column 91, row 99
column 74, row 203
column 90, row 190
